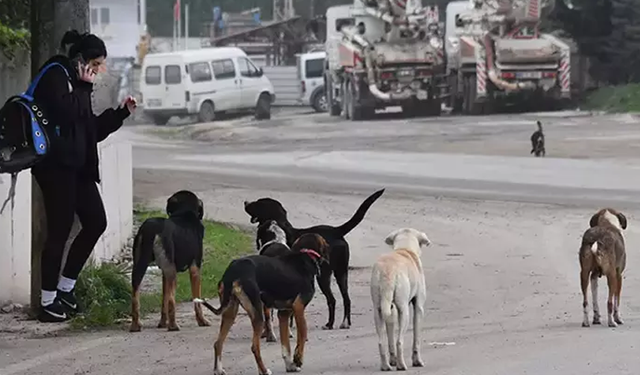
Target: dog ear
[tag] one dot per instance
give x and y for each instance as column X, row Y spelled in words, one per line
column 594, row 220
column 423, row 240
column 391, row 237
column 623, row 220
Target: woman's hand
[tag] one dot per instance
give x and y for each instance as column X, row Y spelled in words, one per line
column 86, row 73
column 131, row 103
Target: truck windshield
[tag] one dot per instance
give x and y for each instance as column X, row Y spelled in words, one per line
column 314, row 68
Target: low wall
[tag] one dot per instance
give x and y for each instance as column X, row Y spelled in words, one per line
column 16, row 221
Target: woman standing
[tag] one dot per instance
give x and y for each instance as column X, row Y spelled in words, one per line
column 69, row 175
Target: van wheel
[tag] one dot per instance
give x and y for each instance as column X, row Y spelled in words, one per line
column 207, row 112
column 319, row 101
column 160, row 120
column 263, row 107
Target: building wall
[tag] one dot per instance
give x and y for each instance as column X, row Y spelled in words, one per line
column 117, row 22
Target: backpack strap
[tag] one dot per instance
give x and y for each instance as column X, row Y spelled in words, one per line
column 32, row 87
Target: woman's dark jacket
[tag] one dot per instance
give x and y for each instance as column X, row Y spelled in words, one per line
column 66, row 101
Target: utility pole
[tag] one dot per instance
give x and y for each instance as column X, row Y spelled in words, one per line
column 186, row 26
column 50, row 19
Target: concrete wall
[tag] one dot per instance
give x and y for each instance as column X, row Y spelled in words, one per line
column 16, row 220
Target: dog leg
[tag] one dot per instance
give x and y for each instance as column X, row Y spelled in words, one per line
column 616, row 307
column 228, row 317
column 283, row 322
column 612, row 281
column 584, row 284
column 301, row 325
column 165, row 303
column 171, row 307
column 135, row 312
column 324, row 281
column 196, row 292
column 379, row 322
column 418, row 312
column 249, row 297
column 391, row 342
column 291, row 328
column 343, row 283
column 403, row 324
column 594, row 299
column 268, row 326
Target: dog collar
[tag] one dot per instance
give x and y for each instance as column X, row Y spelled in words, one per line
column 313, row 253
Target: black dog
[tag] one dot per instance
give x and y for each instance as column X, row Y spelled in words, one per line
column 285, row 283
column 265, row 209
column 271, row 241
column 175, row 245
column 537, row 142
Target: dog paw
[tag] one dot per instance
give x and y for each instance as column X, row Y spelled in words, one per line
column 272, row 338
column 393, row 361
column 297, row 360
column 596, row 321
column 385, row 367
column 268, row 372
column 585, row 323
column 173, row 328
column 612, row 324
column 204, row 323
column 219, row 371
column 291, row 367
column 417, row 362
column 345, row 325
column 401, row 367
column 162, row 324
column 618, row 320
column 135, row 327
column 327, row 327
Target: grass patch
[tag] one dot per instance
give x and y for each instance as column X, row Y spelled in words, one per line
column 105, row 290
column 623, row 98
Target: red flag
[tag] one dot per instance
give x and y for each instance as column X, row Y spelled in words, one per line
column 176, row 10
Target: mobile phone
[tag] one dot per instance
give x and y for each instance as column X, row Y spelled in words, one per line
column 79, row 59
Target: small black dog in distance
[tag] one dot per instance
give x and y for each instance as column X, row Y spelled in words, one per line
column 174, row 245
column 537, row 142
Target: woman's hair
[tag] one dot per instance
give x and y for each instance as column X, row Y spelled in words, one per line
column 87, row 45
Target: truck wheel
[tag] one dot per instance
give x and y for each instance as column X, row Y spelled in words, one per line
column 160, row 120
column 334, row 108
column 355, row 109
column 207, row 112
column 263, row 107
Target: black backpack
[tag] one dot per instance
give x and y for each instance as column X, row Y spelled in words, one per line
column 25, row 132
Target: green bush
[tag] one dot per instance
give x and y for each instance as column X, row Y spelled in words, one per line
column 12, row 40
column 624, row 98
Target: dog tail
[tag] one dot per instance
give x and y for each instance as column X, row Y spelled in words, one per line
column 225, row 297
column 359, row 215
column 539, row 125
column 387, row 309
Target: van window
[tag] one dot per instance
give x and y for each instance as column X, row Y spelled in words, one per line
column 153, row 75
column 247, row 69
column 223, row 69
column 200, row 72
column 341, row 22
column 314, row 68
column 172, row 74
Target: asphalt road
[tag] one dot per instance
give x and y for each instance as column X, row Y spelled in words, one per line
column 502, row 274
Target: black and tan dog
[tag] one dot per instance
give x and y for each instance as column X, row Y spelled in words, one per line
column 285, row 283
column 602, row 253
column 175, row 245
column 537, row 142
column 265, row 209
column 271, row 241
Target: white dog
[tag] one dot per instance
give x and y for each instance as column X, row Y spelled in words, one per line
column 397, row 280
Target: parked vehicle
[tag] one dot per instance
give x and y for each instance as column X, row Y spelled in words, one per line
column 384, row 53
column 497, row 54
column 311, row 77
column 204, row 82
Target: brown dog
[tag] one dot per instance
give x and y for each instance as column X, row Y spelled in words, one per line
column 602, row 253
column 285, row 283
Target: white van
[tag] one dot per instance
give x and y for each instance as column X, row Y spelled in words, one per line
column 203, row 82
column 311, row 78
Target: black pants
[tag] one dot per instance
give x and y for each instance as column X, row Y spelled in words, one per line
column 66, row 193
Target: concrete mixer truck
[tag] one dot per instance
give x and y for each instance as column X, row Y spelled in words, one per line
column 383, row 53
column 497, row 55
